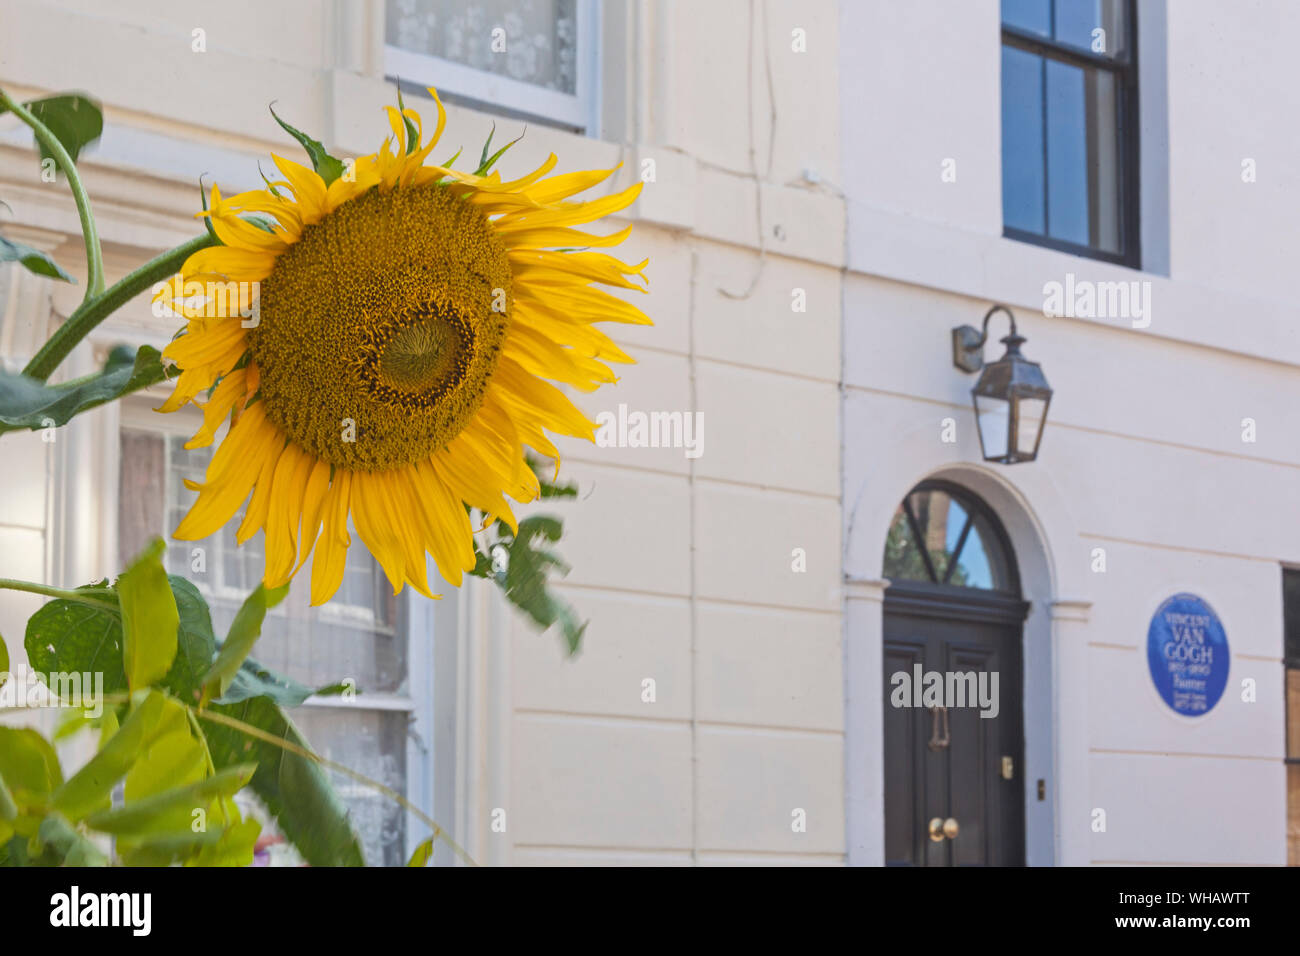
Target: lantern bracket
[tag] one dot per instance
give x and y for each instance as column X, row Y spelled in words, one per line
column 968, row 342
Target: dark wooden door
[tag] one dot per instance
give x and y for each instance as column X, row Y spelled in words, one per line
column 947, row 763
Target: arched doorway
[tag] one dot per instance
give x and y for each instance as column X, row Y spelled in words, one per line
column 952, row 667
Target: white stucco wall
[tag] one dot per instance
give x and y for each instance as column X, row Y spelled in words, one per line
column 683, row 566
column 1143, row 453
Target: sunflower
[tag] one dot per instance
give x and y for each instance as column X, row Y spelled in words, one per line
column 389, row 356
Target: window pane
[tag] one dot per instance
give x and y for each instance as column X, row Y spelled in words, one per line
column 981, row 563
column 942, row 519
column 1093, row 25
column 902, row 557
column 1291, row 614
column 540, row 37
column 1293, row 712
column 372, row 742
column 1082, row 156
column 1032, row 16
column 1023, row 203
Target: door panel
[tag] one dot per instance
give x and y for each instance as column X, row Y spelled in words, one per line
column 946, row 762
column 905, row 730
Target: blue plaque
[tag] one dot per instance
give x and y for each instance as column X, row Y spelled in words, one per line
column 1187, row 652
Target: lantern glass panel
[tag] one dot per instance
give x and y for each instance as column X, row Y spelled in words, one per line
column 1032, row 412
column 994, row 424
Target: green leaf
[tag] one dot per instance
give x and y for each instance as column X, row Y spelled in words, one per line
column 254, row 680
column 244, row 632
column 423, row 853
column 294, row 789
column 28, row 765
column 170, row 810
column 172, row 758
column 75, row 119
column 196, row 644
column 526, row 576
column 8, row 808
column 545, row 478
column 29, row 403
column 326, row 166
column 150, row 619
column 72, row 847
column 235, row 848
column 67, row 637
column 4, row 662
column 89, row 789
column 164, row 849
column 71, row 637
column 32, row 259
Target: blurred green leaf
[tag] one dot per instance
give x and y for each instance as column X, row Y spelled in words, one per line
column 170, row 759
column 89, row 789
column 293, row 788
column 29, row 403
column 235, row 848
column 423, row 853
column 75, row 119
column 196, row 644
column 244, row 632
column 326, row 166
column 29, row 766
column 525, row 578
column 254, row 680
column 172, row 809
column 4, row 662
column 71, row 847
column 33, row 260
column 8, row 808
column 150, row 619
column 546, row 478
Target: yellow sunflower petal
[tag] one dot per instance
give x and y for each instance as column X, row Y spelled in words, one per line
column 308, row 188
column 216, row 408
column 235, row 468
column 332, row 547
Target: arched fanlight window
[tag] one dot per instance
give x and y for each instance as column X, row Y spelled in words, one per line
column 942, row 535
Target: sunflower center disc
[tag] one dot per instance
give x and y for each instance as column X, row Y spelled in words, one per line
column 381, row 327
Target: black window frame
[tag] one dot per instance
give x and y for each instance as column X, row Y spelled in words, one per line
column 1290, row 658
column 1128, row 124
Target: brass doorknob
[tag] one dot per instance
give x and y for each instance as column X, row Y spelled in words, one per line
column 941, row 829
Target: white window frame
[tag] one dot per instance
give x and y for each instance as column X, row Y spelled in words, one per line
column 579, row 110
column 136, row 413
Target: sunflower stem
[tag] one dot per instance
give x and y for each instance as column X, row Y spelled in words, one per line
column 93, row 311
column 31, row 587
column 89, row 233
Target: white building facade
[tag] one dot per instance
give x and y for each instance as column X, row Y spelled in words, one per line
column 823, row 203
column 1169, row 454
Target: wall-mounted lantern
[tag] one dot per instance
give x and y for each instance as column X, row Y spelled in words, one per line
column 1011, row 396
